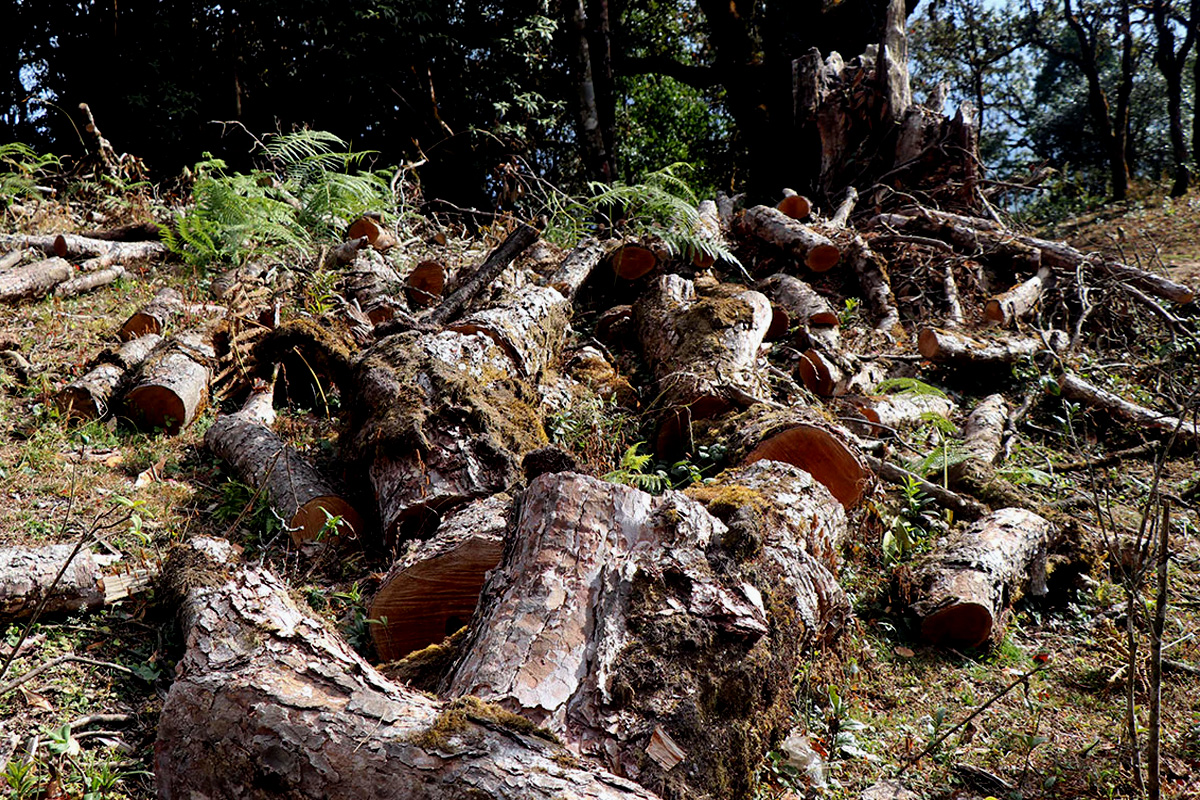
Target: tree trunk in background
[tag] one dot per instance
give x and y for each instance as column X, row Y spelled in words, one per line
column 596, row 157
column 1170, row 64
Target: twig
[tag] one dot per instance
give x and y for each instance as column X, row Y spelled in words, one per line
column 38, row 670
column 965, row 507
column 1153, row 754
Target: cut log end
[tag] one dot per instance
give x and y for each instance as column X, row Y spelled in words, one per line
column 928, row 343
column 796, row 206
column 993, row 311
column 820, row 454
column 967, row 624
column 314, row 521
column 159, row 407
column 424, row 284
column 823, row 257
column 380, row 238
column 632, row 261
column 139, row 324
column 431, row 600
column 78, row 405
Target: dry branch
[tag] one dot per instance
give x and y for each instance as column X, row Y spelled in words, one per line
column 1019, row 301
column 1075, row 388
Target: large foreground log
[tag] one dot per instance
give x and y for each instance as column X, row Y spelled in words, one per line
column 646, row 633
column 90, row 396
column 268, row 703
column 968, row 582
column 90, row 581
column 432, row 591
column 172, row 387
column 301, row 496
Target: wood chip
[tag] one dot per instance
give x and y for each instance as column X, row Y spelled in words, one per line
column 663, row 750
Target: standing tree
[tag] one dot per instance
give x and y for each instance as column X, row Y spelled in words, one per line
column 1171, row 63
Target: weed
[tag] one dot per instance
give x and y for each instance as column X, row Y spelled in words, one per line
column 913, row 525
column 20, row 169
column 355, row 622
column 631, row 472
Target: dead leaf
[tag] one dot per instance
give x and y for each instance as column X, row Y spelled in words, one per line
column 904, row 652
column 35, row 700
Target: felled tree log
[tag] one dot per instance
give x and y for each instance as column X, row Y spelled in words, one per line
column 470, row 286
column 12, row 258
column 803, row 438
column 983, row 433
column 440, row 419
column 374, row 285
column 578, row 266
column 701, row 341
column 432, row 591
column 172, row 385
column 90, row 396
column 530, row 326
column 268, row 703
column 708, row 229
column 889, row 413
column 608, row 624
column 965, row 586
column 1017, row 302
column 132, row 232
column 875, row 284
column 165, row 306
column 33, row 281
column 90, row 581
column 810, row 248
column 89, row 282
column 1075, row 388
column 804, row 306
column 377, row 235
column 345, row 253
column 633, row 260
column 74, row 247
column 296, row 490
column 959, row 348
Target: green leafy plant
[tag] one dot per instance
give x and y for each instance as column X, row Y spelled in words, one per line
column 911, row 527
column 20, row 169
column 907, row 386
column 355, row 622
column 310, row 187
column 631, row 472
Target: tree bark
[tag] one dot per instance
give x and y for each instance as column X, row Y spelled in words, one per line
column 1017, row 302
column 267, row 703
column 33, row 281
column 578, row 266
column 959, row 348
column 89, row 282
column 891, row 413
column 90, row 581
column 296, row 490
column 172, row 386
column 531, row 327
column 487, row 272
column 965, row 586
column 802, row 305
column 876, row 286
column 645, row 633
column 165, row 306
column 89, row 397
column 433, row 590
column 1075, row 388
column 815, row 251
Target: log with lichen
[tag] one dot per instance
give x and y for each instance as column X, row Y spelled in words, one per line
column 965, row 586
column 268, row 702
column 87, row 581
column 801, row 306
column 651, row 636
column 34, row 280
column 701, row 341
column 438, row 420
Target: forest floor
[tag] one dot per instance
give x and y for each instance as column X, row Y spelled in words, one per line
column 871, row 704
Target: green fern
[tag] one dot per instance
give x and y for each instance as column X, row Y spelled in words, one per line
column 306, row 194
column 630, row 472
column 20, row 168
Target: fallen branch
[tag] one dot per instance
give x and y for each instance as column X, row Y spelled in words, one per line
column 1075, row 388
column 964, row 507
column 496, row 262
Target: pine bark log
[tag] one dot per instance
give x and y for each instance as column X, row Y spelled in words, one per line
column 300, row 494
column 983, row 434
column 965, row 586
column 531, row 327
column 33, row 281
column 647, row 634
column 1075, row 388
column 90, row 396
column 172, row 385
column 802, row 305
column 90, row 581
column 268, row 703
column 166, row 305
column 815, row 251
column 433, row 590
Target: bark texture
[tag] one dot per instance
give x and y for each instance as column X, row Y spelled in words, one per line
column 300, row 494
column 812, row 249
column 268, row 703
column 89, row 282
column 968, row 582
column 959, row 348
column 1075, row 388
column 90, row 396
column 172, row 387
column 33, row 281
column 647, row 634
column 27, row 575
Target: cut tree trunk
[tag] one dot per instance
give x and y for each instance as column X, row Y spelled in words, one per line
column 633, row 260
column 1075, row 388
column 701, row 341
column 1017, row 302
column 346, row 253
column 531, row 327
column 377, row 235
column 802, row 243
column 958, row 348
column 172, row 386
column 423, row 286
column 90, row 581
column 965, row 586
column 90, row 396
column 268, row 703
column 983, row 435
column 441, row 419
column 33, row 281
column 89, row 282
column 607, row 623
column 79, row 248
column 803, row 438
column 12, row 258
column 579, row 265
column 802, row 305
column 794, row 205
column 165, row 306
column 891, row 413
column 876, row 286
column 432, row 591
column 300, row 495
column 373, row 285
